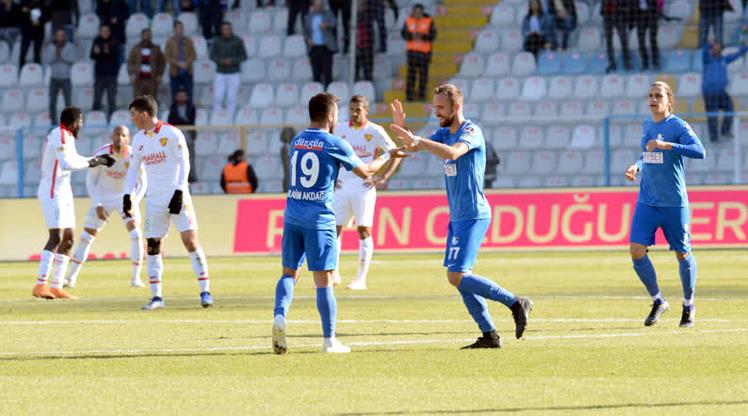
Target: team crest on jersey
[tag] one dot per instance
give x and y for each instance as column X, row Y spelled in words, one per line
column 455, row 240
column 140, row 149
column 368, row 137
column 127, row 165
column 149, row 134
column 163, row 141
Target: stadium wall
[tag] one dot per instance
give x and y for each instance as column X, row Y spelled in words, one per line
column 595, row 218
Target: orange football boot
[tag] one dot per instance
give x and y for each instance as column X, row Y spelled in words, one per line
column 42, row 291
column 62, row 294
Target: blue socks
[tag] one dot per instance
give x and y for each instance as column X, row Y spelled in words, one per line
column 478, row 309
column 687, row 271
column 486, row 288
column 646, row 272
column 284, row 295
column 327, row 307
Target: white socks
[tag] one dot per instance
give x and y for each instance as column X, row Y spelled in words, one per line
column 58, row 275
column 200, row 266
column 136, row 253
column 80, row 256
column 365, row 252
column 688, row 302
column 155, row 268
column 45, row 266
column 658, row 296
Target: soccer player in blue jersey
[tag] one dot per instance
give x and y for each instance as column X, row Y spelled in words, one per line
column 460, row 143
column 663, row 202
column 316, row 156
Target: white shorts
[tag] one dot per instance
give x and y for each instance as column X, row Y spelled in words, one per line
column 94, row 222
column 158, row 219
column 355, row 204
column 59, row 212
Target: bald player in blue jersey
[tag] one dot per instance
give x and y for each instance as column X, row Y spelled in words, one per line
column 316, row 156
column 460, row 143
column 663, row 201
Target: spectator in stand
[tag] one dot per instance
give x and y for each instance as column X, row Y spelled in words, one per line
column 64, row 15
column 176, row 6
column 296, row 8
column 33, row 18
column 211, row 16
column 60, row 55
column 238, row 176
column 145, row 64
column 647, row 16
column 105, row 52
column 616, row 15
column 228, row 53
column 145, row 7
column 714, row 87
column 260, row 4
column 187, row 6
column 376, row 11
column 180, row 54
column 319, row 31
column 364, row 42
column 114, row 13
column 492, row 162
column 343, row 8
column 10, row 22
column 564, row 13
column 538, row 29
column 182, row 113
column 712, row 12
column 287, row 134
column 419, row 32
column 392, row 4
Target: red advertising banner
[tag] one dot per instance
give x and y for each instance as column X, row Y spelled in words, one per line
column 546, row 219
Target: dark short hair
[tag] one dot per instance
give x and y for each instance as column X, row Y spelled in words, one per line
column 70, row 115
column 226, row 23
column 145, row 103
column 104, row 25
column 177, row 22
column 361, row 99
column 321, row 105
column 145, row 30
column 419, row 6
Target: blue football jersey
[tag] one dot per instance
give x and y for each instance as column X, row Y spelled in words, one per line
column 315, row 159
column 464, row 176
column 663, row 177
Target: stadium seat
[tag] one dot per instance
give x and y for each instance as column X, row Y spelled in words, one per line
column 271, row 46
column 212, row 167
column 250, row 45
column 586, row 87
column 583, row 137
column 502, row 15
column 120, row 117
column 570, row 162
column 8, row 146
column 508, row 89
column 597, row 109
column 228, row 144
column 253, row 70
column 739, row 84
column 517, row 163
column 205, row 97
column 238, row 21
column 487, row 41
column 531, row 137
column 637, row 86
column 471, row 110
column 523, row 64
column 37, row 100
column 201, row 117
column 20, row 119
column 201, row 46
column 279, row 69
column 482, row 90
column 263, row 95
column 533, row 88
column 462, row 84
column 611, row 86
column 257, row 142
column 88, row 27
column 310, row 89
column 557, row 137
column 624, row 107
column 621, row 159
column 297, row 116
column 669, row 36
column 543, row 162
column 590, row 38
column 689, row 85
column 4, row 52
column 247, row 116
column 82, row 74
column 221, row 117
column 287, row 94
column 505, row 138
column 473, row 65
column 96, row 120
column 32, row 75
column 560, row 88
column 497, row 65
column 259, row 22
column 204, row 71
column 12, row 101
column 678, row 61
column 737, row 65
column 123, row 78
column 271, row 117
column 597, row 63
column 511, row 41
column 493, row 113
column 162, row 25
column 302, row 70
column 42, row 120
column 340, row 89
column 365, row 88
column 189, row 22
column 135, row 25
column 593, row 162
column 9, row 173
column 697, row 62
column 571, row 110
column 294, row 47
column 280, row 20
column 549, row 63
column 519, row 111
column 574, row 63
column 8, row 75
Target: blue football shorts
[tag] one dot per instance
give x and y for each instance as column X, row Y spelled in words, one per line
column 463, row 243
column 319, row 247
column 673, row 221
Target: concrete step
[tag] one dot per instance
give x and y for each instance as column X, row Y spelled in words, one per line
column 439, row 71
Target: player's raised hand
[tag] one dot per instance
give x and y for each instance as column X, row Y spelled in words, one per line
column 406, row 136
column 399, row 152
column 127, row 205
column 398, row 114
column 631, row 172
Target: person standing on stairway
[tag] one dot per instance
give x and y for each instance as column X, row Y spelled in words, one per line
column 419, row 32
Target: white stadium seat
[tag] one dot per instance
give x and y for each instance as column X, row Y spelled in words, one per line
column 201, row 46
column 260, row 22
column 534, row 88
column 482, row 90
column 279, row 69
column 689, row 85
column 253, row 70
column 12, row 101
column 247, row 116
column 519, row 111
column 120, row 117
column 88, row 27
column 611, row 86
column 280, row 20
column 487, row 41
column 546, row 111
column 531, row 137
column 557, row 137
column 739, row 84
column 204, row 71
column 135, row 25
column 287, row 95
column 82, row 74
column 508, row 89
column 584, row 137
column 250, row 45
column 162, row 25
column 263, row 95
column 473, row 65
column 302, row 70
column 297, row 116
column 189, row 22
column 569, row 162
column 340, row 89
column 511, row 41
column 585, row 87
column 37, row 100
column 221, row 117
column 571, row 110
column 271, row 46
column 543, row 162
column 294, row 47
column 561, row 88
column 20, row 120
column 637, row 86
column 523, row 64
column 8, row 75
column 32, row 75
column 365, row 88
column 505, row 138
column 310, row 89
column 598, row 108
column 271, row 117
column 498, row 65
column 493, row 113
column 502, row 15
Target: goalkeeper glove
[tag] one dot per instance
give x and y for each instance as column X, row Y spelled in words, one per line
column 105, row 160
column 175, row 205
column 126, row 205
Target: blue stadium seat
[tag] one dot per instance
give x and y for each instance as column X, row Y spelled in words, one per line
column 549, row 63
column 597, row 63
column 678, row 61
column 574, row 64
column 697, row 62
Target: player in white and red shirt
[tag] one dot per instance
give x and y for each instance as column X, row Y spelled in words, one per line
column 356, row 197
column 163, row 150
column 55, row 195
column 105, row 187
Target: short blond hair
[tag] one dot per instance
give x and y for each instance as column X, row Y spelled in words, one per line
column 669, row 92
column 451, row 91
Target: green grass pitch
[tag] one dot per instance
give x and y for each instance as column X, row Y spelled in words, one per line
column 586, row 350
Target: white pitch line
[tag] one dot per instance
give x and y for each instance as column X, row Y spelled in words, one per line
column 164, row 351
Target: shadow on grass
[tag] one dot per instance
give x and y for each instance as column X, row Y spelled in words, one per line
column 557, row 408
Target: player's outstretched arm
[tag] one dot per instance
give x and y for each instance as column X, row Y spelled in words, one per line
column 414, row 143
column 366, row 170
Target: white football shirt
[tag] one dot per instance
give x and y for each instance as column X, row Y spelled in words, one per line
column 107, row 185
column 60, row 157
column 365, row 141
